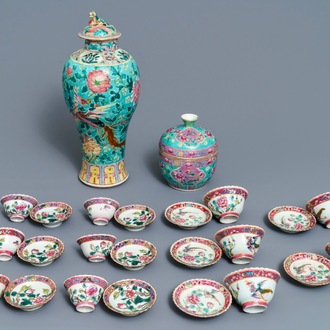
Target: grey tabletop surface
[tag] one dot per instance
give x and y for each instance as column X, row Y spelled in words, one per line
column 257, row 75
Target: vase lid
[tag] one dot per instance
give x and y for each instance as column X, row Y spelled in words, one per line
column 188, row 136
column 98, row 30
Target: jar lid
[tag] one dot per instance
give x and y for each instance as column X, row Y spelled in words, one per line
column 98, row 30
column 188, row 136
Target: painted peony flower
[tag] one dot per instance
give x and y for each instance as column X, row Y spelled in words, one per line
column 130, row 294
column 50, row 253
column 38, row 300
column 222, row 202
column 136, row 91
column 187, row 257
column 98, row 81
column 193, row 299
column 20, row 207
column 91, row 147
column 68, row 71
column 91, row 291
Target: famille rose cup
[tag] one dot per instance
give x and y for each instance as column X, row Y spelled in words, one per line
column 10, row 239
column 240, row 243
column 4, row 280
column 101, row 209
column 85, row 291
column 226, row 203
column 253, row 288
column 18, row 206
column 96, row 247
column 320, row 207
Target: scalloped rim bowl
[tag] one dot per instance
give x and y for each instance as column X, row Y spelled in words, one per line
column 188, row 215
column 10, row 239
column 291, row 219
column 140, row 295
column 4, row 281
column 240, row 243
column 40, row 250
column 101, row 209
column 51, row 214
column 202, row 298
column 195, row 252
column 133, row 254
column 308, row 268
column 18, row 206
column 85, row 291
column 30, row 292
column 135, row 217
column 226, row 203
column 253, row 288
column 96, row 247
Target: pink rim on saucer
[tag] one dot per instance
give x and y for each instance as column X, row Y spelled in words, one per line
column 30, row 292
column 308, row 268
column 133, row 254
column 299, row 220
column 135, row 217
column 60, row 212
column 40, row 250
column 129, row 297
column 188, row 215
column 195, row 252
column 202, row 298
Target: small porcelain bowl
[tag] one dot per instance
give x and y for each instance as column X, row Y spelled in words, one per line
column 96, row 247
column 129, row 297
column 4, row 280
column 320, row 207
column 101, row 209
column 10, row 239
column 133, row 254
column 226, row 203
column 40, row 250
column 18, row 206
column 291, row 219
column 327, row 248
column 240, row 243
column 253, row 288
column 202, row 298
column 188, row 215
column 195, row 252
column 51, row 214
column 85, row 291
column 308, row 268
column 135, row 217
column 30, row 292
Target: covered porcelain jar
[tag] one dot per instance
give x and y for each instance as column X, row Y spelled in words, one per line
column 101, row 87
column 188, row 155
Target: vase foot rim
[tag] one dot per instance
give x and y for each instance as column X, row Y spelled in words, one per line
column 103, row 185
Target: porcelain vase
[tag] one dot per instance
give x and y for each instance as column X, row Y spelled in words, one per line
column 101, row 87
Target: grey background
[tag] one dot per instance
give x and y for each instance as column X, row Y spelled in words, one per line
column 256, row 73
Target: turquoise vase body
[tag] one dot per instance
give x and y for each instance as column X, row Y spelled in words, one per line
column 101, row 85
column 188, row 155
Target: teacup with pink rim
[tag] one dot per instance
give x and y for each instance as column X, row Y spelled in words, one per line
column 96, row 247
column 85, row 291
column 327, row 248
column 253, row 288
column 10, row 239
column 4, row 280
column 320, row 207
column 18, row 206
column 226, row 203
column 240, row 243
column 101, row 209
